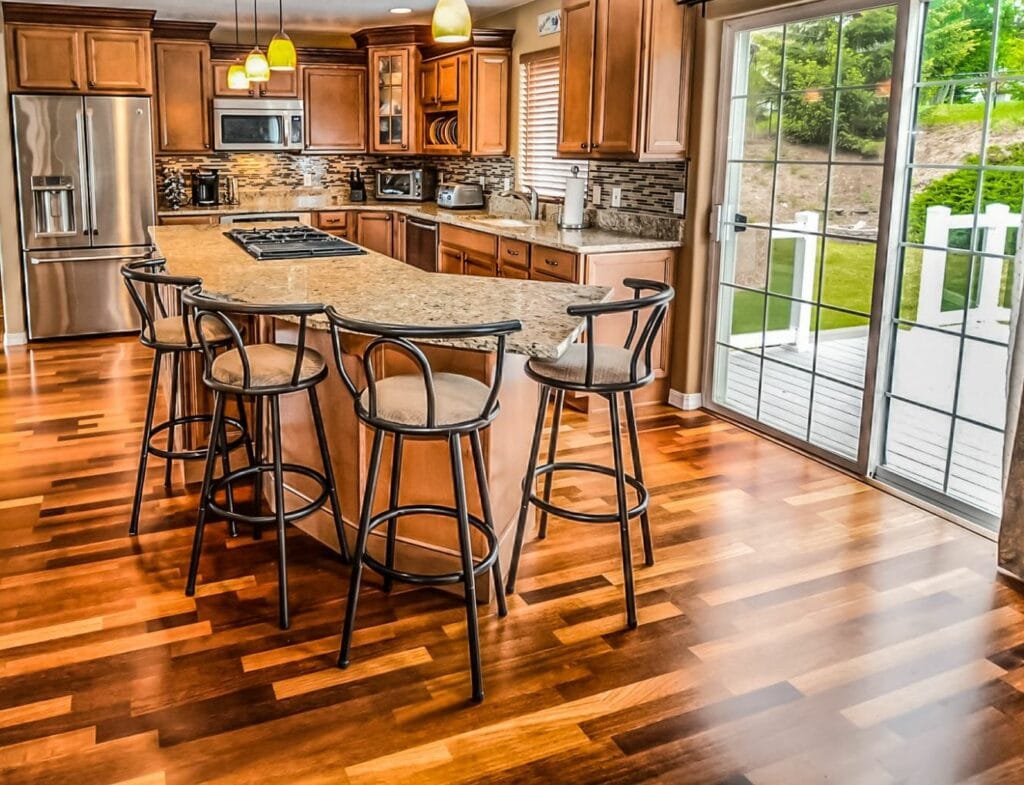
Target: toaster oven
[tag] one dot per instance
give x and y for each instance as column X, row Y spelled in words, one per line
column 411, row 185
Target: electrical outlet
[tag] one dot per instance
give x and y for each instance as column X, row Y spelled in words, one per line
column 616, row 197
column 483, row 181
column 595, row 195
column 507, row 184
column 679, row 202
column 307, row 179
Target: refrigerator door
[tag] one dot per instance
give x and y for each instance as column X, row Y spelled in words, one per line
column 119, row 151
column 79, row 292
column 49, row 135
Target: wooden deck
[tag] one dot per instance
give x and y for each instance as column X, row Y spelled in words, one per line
column 799, row 627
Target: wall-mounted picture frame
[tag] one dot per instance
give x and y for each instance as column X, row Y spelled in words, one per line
column 549, row 23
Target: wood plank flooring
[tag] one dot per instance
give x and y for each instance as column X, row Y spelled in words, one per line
column 798, row 627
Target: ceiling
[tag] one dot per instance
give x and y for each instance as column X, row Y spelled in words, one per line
column 310, row 22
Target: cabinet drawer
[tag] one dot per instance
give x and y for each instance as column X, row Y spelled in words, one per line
column 470, row 240
column 554, row 262
column 333, row 221
column 514, row 252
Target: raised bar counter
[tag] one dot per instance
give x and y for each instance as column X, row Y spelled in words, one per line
column 378, row 288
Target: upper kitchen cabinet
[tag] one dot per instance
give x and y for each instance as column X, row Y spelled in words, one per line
column 393, row 99
column 183, row 86
column 625, row 90
column 335, row 108
column 282, row 84
column 54, row 49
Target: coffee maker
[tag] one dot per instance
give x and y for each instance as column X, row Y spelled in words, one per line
column 205, row 188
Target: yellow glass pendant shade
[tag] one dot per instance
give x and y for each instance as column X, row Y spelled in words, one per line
column 237, row 80
column 281, row 53
column 257, row 69
column 452, row 23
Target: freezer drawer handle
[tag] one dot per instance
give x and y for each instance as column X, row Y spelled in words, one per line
column 111, row 258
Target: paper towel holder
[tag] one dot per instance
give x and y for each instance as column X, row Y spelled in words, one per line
column 561, row 224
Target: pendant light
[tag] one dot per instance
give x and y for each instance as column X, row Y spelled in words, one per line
column 256, row 67
column 281, row 51
column 452, row 23
column 237, row 80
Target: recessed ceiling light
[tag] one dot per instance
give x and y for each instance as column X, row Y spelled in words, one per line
column 401, row 10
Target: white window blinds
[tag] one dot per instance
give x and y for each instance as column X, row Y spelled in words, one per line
column 538, row 126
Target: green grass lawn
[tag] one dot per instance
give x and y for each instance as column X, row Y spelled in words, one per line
column 1006, row 115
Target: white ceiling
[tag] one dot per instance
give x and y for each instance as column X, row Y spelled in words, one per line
column 308, row 21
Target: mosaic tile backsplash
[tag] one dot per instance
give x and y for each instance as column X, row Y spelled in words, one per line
column 646, row 187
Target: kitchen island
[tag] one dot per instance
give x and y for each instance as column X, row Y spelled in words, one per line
column 377, row 288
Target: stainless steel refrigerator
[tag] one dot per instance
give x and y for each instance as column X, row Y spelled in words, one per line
column 86, row 200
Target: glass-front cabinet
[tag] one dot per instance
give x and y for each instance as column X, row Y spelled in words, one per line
column 391, row 102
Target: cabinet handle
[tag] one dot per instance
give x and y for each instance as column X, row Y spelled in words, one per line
column 92, row 83
column 583, row 145
column 596, row 146
column 510, row 252
column 551, row 262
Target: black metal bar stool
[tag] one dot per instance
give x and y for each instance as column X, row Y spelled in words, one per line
column 608, row 371
column 424, row 405
column 263, row 372
column 170, row 331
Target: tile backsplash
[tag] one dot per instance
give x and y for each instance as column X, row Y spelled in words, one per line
column 646, row 187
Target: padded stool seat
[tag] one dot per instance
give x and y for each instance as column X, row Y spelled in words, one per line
column 612, row 365
column 270, row 365
column 171, row 331
column 403, row 399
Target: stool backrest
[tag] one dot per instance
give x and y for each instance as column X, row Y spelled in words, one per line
column 651, row 296
column 401, row 337
column 212, row 310
column 147, row 283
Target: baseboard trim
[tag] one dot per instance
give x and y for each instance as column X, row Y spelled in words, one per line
column 688, row 402
column 15, row 339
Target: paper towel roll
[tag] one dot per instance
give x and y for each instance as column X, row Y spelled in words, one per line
column 575, row 198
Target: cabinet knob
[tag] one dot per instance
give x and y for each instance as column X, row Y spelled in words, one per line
column 596, row 146
column 551, row 262
column 92, row 83
column 583, row 145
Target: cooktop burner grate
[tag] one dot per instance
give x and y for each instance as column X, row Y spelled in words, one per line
column 298, row 242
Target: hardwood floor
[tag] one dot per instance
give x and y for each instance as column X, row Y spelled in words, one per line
column 798, row 627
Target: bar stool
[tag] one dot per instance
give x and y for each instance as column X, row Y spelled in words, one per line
column 424, row 405
column 607, row 371
column 171, row 332
column 263, row 372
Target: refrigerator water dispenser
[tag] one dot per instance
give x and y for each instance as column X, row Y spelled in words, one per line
column 54, row 203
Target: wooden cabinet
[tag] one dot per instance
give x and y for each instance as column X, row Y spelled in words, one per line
column 58, row 58
column 118, row 61
column 336, row 222
column 465, row 251
column 553, row 262
column 440, row 81
column 282, row 84
column 188, row 220
column 467, row 92
column 476, row 264
column 183, row 96
column 489, row 127
column 513, row 258
column 398, row 237
column 393, row 95
column 373, row 231
column 335, row 108
column 624, row 89
column 449, row 260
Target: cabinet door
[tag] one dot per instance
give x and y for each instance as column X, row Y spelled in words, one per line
column 618, row 51
column 373, row 231
column 669, row 35
column 392, row 119
column 448, row 80
column 118, row 60
column 398, row 236
column 335, row 108
column 449, row 260
column 182, row 96
column 480, row 265
column 220, row 81
column 490, row 104
column 282, row 84
column 576, row 72
column 428, row 84
column 44, row 57
column 511, row 271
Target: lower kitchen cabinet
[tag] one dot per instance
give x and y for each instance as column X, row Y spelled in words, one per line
column 373, row 231
column 449, row 260
column 466, row 251
column 479, row 265
column 188, row 220
column 336, row 222
column 398, row 237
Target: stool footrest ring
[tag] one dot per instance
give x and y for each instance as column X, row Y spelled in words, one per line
column 193, row 455
column 443, row 579
column 643, row 497
column 268, row 520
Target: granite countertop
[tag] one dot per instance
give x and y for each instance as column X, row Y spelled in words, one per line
column 377, row 288
column 585, row 241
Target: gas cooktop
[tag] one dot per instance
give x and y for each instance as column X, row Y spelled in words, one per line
column 292, row 242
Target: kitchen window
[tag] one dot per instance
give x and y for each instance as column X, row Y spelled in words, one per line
column 538, row 126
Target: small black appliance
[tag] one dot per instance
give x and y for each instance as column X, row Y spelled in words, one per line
column 205, row 188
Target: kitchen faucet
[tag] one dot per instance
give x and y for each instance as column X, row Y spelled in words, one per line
column 529, row 197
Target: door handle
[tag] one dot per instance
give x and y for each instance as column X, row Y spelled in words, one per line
column 107, row 258
column 83, row 171
column 741, row 223
column 92, row 169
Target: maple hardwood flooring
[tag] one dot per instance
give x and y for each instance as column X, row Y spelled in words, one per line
column 798, row 626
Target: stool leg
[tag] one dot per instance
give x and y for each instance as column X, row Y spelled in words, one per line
column 468, row 579
column 360, row 551
column 396, row 477
column 552, row 450
column 282, row 548
column 225, row 463
column 638, row 472
column 485, row 504
column 529, row 481
column 172, row 412
column 147, row 431
column 325, row 457
column 620, row 492
column 247, row 434
column 257, row 529
column 204, row 495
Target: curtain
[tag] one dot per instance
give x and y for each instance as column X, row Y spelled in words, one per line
column 1011, row 530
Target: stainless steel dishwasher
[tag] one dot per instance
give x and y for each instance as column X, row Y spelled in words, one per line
column 421, row 244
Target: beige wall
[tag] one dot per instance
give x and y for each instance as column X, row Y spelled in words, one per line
column 10, row 249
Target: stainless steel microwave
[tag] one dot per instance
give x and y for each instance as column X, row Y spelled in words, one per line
column 412, row 185
column 257, row 124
